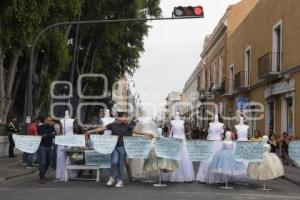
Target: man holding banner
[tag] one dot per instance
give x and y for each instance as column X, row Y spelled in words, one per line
column 119, row 128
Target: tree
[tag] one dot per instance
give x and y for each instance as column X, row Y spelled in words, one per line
column 111, row 49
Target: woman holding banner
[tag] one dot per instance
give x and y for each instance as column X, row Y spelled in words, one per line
column 119, row 128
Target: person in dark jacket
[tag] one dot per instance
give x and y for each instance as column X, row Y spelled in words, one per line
column 47, row 132
column 12, row 128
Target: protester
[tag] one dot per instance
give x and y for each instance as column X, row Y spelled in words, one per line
column 284, row 149
column 188, row 130
column 273, row 143
column 12, row 128
column 47, row 132
column 196, row 133
column 31, row 130
column 257, row 136
column 165, row 131
column 119, row 128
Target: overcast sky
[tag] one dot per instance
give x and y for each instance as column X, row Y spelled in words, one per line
column 172, row 50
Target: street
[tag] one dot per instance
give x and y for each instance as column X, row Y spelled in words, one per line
column 28, row 187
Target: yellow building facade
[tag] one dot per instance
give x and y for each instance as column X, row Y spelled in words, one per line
column 263, row 67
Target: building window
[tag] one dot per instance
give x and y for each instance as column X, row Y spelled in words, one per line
column 247, row 66
column 221, row 68
column 231, row 78
column 277, row 47
column 290, row 114
column 272, row 117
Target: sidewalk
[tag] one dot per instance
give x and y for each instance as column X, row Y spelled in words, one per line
column 292, row 174
column 13, row 168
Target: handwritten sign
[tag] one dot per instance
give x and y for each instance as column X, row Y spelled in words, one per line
column 137, row 147
column 294, row 150
column 249, row 151
column 200, row 150
column 26, row 143
column 94, row 158
column 168, row 148
column 104, row 144
column 70, row 140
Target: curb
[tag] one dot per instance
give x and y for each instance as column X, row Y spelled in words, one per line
column 291, row 180
column 6, row 178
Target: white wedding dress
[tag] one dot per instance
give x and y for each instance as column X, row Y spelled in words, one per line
column 185, row 171
column 215, row 132
column 145, row 124
column 242, row 135
column 67, row 126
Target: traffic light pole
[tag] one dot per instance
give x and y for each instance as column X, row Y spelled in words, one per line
column 34, row 43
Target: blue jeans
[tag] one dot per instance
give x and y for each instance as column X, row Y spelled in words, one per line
column 118, row 163
column 29, row 159
column 45, row 160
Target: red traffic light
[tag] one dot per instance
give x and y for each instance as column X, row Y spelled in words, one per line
column 198, row 11
column 189, row 11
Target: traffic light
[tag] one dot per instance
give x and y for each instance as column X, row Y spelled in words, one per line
column 190, row 11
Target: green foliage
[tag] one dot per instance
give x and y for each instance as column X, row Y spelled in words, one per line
column 116, row 46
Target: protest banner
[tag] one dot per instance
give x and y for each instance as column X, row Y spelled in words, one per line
column 294, row 151
column 70, row 140
column 137, row 147
column 168, row 148
column 249, row 151
column 104, row 144
column 27, row 143
column 94, row 158
column 200, row 150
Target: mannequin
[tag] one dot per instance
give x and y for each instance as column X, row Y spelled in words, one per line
column 215, row 132
column 185, row 172
column 67, row 129
column 67, row 124
column 224, row 163
column 216, row 129
column 107, row 120
column 145, row 124
column 270, row 168
column 242, row 130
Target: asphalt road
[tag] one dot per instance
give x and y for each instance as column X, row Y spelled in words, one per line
column 28, row 188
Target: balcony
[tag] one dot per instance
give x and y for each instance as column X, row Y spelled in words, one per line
column 242, row 80
column 269, row 65
column 227, row 87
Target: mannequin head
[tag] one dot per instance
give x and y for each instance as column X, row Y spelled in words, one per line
column 177, row 116
column 265, row 138
column 216, row 118
column 107, row 113
column 241, row 121
column 67, row 116
column 228, row 136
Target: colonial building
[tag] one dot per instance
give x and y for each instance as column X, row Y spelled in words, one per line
column 172, row 105
column 213, row 82
column 125, row 99
column 190, row 98
column 263, row 62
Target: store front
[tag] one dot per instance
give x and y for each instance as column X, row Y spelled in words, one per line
column 280, row 107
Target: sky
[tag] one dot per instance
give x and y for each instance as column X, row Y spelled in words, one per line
column 172, row 51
